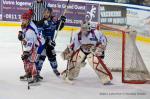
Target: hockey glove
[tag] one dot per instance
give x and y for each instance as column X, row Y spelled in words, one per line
column 63, row 19
column 50, row 44
column 21, row 36
column 53, row 44
column 25, row 55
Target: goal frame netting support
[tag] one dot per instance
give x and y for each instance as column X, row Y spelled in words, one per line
column 124, row 34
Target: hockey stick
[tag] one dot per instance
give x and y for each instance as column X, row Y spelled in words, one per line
column 24, row 67
column 61, row 20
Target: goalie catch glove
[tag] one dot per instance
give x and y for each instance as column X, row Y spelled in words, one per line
column 67, row 54
column 25, row 55
column 21, row 36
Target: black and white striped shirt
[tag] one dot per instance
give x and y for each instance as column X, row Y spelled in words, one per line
column 38, row 9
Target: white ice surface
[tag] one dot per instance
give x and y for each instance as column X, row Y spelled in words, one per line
column 86, row 86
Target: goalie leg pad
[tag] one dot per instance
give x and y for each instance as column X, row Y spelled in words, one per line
column 72, row 73
column 74, row 65
column 100, row 68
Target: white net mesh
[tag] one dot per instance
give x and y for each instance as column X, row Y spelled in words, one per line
column 134, row 67
column 122, row 55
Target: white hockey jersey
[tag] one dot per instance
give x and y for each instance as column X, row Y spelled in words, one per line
column 94, row 37
column 30, row 37
column 39, row 35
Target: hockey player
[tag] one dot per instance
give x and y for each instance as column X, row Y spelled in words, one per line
column 49, row 25
column 36, row 11
column 88, row 44
column 29, row 41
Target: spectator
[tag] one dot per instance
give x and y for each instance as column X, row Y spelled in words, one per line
column 122, row 1
column 146, row 2
column 104, row 0
column 136, row 2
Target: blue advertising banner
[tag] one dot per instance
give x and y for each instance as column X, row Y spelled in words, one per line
column 11, row 10
column 1, row 5
column 76, row 12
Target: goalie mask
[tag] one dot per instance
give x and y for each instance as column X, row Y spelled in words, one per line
column 85, row 27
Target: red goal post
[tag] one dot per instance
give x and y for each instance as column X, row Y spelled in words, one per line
column 123, row 55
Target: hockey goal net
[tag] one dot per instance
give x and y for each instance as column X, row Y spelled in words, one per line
column 122, row 55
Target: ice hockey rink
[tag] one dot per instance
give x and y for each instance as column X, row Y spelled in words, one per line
column 86, row 86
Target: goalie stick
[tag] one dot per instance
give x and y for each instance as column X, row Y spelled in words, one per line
column 67, row 69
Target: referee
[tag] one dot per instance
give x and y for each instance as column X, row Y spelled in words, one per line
column 36, row 10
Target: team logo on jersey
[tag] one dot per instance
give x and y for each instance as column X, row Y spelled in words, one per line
column 93, row 39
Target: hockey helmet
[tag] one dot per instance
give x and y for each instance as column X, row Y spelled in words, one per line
column 26, row 16
column 48, row 9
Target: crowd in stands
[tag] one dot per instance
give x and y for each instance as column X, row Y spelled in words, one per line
column 135, row 2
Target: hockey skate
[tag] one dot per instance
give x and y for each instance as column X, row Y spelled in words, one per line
column 108, row 83
column 34, row 81
column 56, row 72
column 25, row 77
column 39, row 77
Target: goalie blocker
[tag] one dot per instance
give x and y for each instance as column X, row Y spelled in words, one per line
column 88, row 44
